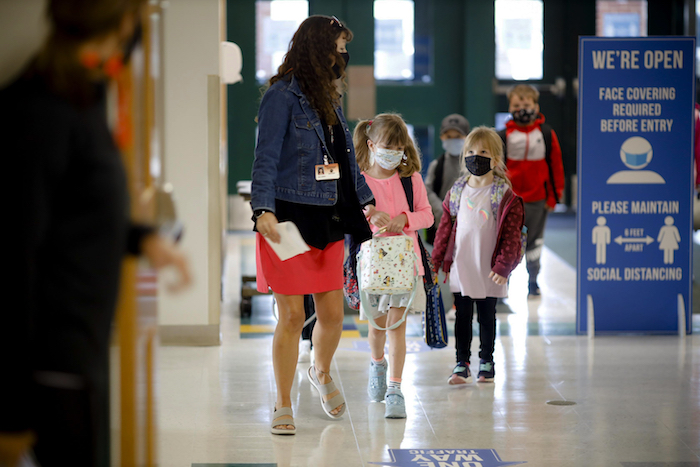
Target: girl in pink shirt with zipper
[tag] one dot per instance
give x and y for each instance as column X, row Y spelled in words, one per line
column 385, row 154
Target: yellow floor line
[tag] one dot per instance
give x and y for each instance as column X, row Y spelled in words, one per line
column 358, row 320
column 256, row 328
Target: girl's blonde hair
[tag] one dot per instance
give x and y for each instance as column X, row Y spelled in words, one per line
column 389, row 130
column 489, row 139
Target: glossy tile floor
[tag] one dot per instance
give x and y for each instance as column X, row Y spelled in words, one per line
column 637, row 398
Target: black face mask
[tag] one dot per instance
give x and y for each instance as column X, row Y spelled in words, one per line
column 336, row 67
column 478, row 165
column 524, row 116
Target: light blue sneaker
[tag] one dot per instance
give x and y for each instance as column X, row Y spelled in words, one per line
column 486, row 372
column 376, row 387
column 395, row 404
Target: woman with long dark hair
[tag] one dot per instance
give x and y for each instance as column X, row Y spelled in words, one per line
column 302, row 129
column 68, row 232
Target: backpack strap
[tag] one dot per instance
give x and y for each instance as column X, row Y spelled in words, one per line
column 495, row 202
column 498, row 191
column 439, row 172
column 502, row 134
column 407, row 184
column 456, row 194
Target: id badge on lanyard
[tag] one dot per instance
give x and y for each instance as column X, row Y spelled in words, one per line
column 327, row 171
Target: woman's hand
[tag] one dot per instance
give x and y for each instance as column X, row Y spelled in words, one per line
column 397, row 224
column 13, row 446
column 500, row 280
column 267, row 226
column 162, row 252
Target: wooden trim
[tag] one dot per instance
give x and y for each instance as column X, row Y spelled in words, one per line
column 362, row 92
column 215, row 226
column 190, row 335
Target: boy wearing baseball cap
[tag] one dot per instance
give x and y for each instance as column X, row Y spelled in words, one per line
column 443, row 171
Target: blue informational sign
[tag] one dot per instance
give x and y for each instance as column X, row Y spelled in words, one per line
column 635, row 184
column 445, row 457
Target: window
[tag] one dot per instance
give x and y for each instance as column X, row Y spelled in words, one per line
column 275, row 21
column 519, row 39
column 615, row 18
column 501, row 119
column 394, row 40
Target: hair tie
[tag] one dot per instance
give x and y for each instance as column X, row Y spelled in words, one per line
column 370, row 123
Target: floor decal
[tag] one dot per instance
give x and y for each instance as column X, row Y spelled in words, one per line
column 445, row 458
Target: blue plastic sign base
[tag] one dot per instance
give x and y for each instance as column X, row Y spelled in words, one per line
column 445, row 457
column 635, row 184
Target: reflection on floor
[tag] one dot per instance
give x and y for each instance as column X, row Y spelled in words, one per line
column 637, row 398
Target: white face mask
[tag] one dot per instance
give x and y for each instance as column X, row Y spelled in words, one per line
column 386, row 158
column 453, row 146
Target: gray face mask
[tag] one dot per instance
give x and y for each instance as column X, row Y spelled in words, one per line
column 453, row 146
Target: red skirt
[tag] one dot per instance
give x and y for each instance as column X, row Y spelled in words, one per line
column 315, row 271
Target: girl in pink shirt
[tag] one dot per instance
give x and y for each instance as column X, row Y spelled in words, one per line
column 385, row 154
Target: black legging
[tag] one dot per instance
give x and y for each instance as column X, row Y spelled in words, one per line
column 486, row 315
column 309, row 309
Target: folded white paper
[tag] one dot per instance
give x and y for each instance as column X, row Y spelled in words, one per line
column 291, row 244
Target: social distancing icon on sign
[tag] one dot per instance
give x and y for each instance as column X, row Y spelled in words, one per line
column 601, row 240
column 668, row 239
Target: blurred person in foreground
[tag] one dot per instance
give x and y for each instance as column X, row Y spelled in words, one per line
column 69, row 230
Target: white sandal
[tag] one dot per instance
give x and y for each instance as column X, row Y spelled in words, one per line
column 325, row 389
column 280, row 417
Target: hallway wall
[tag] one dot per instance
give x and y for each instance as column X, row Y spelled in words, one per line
column 191, row 54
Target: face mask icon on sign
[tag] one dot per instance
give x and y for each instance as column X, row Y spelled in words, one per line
column 636, row 153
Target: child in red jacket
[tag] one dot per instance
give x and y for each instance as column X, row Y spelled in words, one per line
column 533, row 159
column 478, row 244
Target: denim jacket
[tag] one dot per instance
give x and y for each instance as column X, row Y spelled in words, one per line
column 290, row 145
